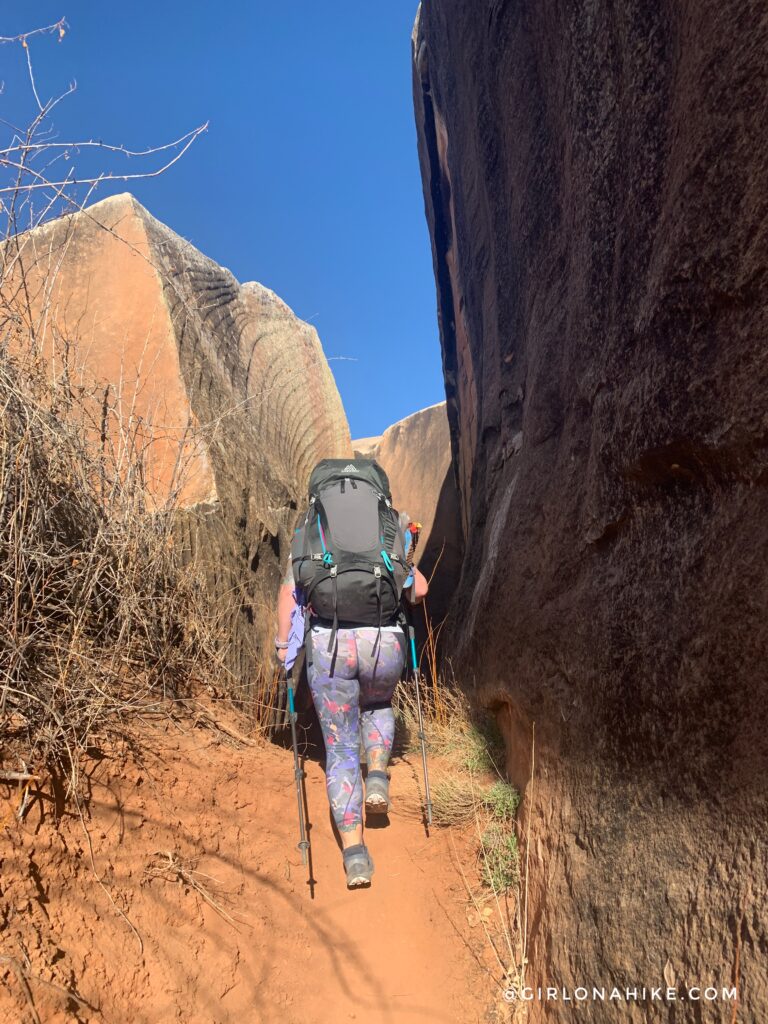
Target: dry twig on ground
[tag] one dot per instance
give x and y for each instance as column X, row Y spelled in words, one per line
column 171, row 866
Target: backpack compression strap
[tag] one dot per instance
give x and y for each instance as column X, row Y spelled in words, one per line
column 335, row 627
column 377, row 574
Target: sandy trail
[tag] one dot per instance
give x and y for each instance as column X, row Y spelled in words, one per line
column 399, row 952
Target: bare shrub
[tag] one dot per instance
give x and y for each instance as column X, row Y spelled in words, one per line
column 101, row 616
column 98, row 617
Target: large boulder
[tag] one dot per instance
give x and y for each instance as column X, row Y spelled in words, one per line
column 415, row 453
column 225, row 391
column 594, row 179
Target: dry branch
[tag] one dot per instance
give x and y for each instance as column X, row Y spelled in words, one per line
column 18, row 777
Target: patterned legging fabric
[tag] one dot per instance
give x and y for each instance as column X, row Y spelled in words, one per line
column 352, row 692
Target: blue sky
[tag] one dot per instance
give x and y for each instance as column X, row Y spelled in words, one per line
column 307, row 179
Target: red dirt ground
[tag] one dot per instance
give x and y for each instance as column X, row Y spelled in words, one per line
column 399, row 952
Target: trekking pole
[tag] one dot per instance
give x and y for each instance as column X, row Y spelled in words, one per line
column 422, row 737
column 415, row 530
column 303, row 843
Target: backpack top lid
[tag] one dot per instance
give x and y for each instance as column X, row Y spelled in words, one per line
column 328, row 470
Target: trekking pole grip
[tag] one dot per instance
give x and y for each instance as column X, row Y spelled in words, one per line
column 412, row 638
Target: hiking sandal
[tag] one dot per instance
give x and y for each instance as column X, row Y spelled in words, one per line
column 358, row 864
column 377, row 792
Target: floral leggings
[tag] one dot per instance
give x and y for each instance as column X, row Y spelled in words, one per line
column 352, row 691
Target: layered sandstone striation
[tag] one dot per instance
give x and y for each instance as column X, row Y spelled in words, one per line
column 223, row 392
column 415, row 453
column 594, row 179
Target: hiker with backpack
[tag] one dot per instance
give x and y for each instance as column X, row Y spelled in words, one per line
column 347, row 574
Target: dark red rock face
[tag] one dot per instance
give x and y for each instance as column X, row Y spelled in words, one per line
column 596, row 186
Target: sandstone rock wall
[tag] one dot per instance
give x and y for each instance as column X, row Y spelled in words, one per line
column 415, row 453
column 220, row 376
column 595, row 186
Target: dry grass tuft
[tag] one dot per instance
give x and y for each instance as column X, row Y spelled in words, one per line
column 454, row 800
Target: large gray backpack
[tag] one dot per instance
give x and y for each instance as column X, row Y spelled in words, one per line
column 348, row 555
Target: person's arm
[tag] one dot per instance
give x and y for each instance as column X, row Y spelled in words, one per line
column 419, row 588
column 285, row 605
column 416, row 590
